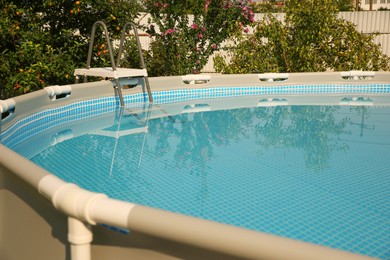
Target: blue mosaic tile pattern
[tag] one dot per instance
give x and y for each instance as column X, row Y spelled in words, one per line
column 40, row 121
column 91, row 107
column 187, row 165
column 219, row 92
column 333, row 207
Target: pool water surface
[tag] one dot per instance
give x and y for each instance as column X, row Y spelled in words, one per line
column 319, row 173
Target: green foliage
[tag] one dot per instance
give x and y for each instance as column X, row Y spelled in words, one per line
column 345, row 5
column 42, row 42
column 182, row 43
column 311, row 38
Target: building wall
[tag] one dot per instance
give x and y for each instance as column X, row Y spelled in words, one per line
column 376, row 4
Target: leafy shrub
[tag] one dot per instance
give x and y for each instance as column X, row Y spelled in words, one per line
column 43, row 41
column 186, row 33
column 311, row 38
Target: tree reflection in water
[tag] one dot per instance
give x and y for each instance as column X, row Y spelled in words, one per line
column 199, row 144
column 248, row 167
column 198, row 134
column 312, row 129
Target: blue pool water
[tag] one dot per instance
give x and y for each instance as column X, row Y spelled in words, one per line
column 320, row 174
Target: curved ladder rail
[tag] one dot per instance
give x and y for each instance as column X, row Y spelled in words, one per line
column 108, row 41
column 141, row 56
column 117, row 88
column 113, row 71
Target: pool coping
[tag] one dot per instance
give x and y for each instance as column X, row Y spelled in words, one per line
column 329, row 81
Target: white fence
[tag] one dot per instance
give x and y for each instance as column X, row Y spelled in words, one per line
column 366, row 22
column 369, row 22
column 372, row 22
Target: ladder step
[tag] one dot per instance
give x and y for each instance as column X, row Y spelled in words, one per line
column 115, row 71
column 108, row 72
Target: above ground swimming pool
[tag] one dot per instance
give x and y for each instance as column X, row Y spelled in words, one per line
column 310, row 162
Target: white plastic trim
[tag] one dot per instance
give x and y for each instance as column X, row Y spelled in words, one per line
column 69, row 198
column 270, row 77
column 58, row 90
column 83, row 208
column 6, row 105
column 109, row 73
column 128, row 81
column 80, row 237
column 193, row 78
column 78, row 232
column 190, row 77
column 84, row 205
column 272, row 102
column 49, row 184
column 111, row 212
column 195, row 109
column 356, row 101
column 357, row 73
column 60, row 137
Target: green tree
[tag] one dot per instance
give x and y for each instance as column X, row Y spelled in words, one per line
column 43, row 41
column 186, row 33
column 311, row 38
column 345, row 5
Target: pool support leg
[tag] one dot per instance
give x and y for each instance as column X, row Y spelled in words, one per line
column 118, row 90
column 80, row 238
column 148, row 89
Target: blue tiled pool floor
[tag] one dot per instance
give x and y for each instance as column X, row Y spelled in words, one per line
column 320, row 174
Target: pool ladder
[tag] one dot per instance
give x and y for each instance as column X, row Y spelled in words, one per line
column 115, row 72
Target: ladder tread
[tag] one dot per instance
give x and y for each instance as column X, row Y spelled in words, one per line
column 108, row 72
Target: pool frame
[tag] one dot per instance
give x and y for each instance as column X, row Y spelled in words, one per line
column 59, row 220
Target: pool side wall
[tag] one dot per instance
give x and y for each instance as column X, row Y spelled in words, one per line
column 31, row 227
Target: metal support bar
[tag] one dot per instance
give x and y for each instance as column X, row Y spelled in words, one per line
column 108, row 41
column 141, row 57
column 115, row 73
column 117, row 86
column 118, row 90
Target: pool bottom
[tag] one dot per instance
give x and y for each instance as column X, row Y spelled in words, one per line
column 40, row 99
column 271, row 190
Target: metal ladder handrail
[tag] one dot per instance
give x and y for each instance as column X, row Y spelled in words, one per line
column 109, row 45
column 108, row 41
column 122, row 40
column 114, row 64
column 141, row 56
